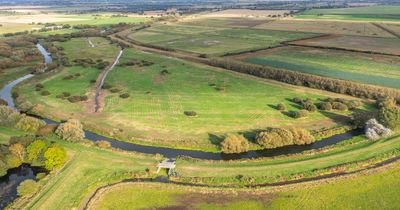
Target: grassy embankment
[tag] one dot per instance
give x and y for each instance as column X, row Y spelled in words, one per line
column 378, row 190
column 359, row 67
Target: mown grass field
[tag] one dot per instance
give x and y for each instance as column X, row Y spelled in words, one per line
column 371, row 13
column 154, row 112
column 272, row 170
column 369, row 191
column 6, row 133
column 389, row 46
column 359, row 67
column 213, row 40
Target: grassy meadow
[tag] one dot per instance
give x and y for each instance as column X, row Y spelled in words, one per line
column 371, row 13
column 212, row 40
column 378, row 190
column 359, row 67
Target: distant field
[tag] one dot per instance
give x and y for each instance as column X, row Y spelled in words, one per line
column 78, row 48
column 222, row 22
column 365, row 44
column 213, row 41
column 372, row 13
column 326, row 27
column 244, row 13
column 365, row 191
column 359, row 67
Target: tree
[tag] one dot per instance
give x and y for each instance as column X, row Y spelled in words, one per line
column 301, row 136
column 8, row 116
column 299, row 114
column 274, row 137
column 339, row 106
column 281, row 107
column 103, row 144
column 55, row 157
column 390, row 117
column 18, row 150
column 234, row 144
column 72, row 131
column 309, row 106
column 326, row 106
column 30, row 124
column 35, row 150
column 28, row 187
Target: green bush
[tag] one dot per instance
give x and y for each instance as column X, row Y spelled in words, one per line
column 45, row 93
column 297, row 100
column 124, row 95
column 39, row 86
column 299, row 114
column 234, row 144
column 339, row 106
column 30, row 124
column 103, row 144
column 8, row 116
column 28, row 188
column 274, row 137
column 390, row 117
column 190, row 113
column 309, row 106
column 326, row 106
column 36, row 150
column 55, row 157
column 3, row 102
column 281, row 107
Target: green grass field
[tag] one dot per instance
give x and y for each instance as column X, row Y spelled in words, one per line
column 213, row 41
column 372, row 13
column 102, row 20
column 372, row 191
column 6, row 133
column 272, row 170
column 154, row 112
column 359, row 67
column 79, row 48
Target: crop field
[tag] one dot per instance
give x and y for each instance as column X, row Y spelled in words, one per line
column 224, row 22
column 213, row 41
column 281, row 168
column 372, row 13
column 365, row 44
column 376, row 191
column 326, row 27
column 364, row 68
column 79, row 48
column 235, row 13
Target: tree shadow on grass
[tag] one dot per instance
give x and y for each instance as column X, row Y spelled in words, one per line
column 337, row 118
column 215, row 139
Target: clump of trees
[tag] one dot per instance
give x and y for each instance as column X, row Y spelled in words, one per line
column 299, row 114
column 71, row 131
column 28, row 188
column 124, row 95
column 190, row 113
column 12, row 118
column 234, row 144
column 390, row 117
column 278, row 137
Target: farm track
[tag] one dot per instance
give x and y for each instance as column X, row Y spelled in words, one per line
column 100, row 82
column 387, row 30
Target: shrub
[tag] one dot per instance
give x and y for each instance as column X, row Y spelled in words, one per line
column 190, row 113
column 374, row 130
column 45, row 93
column 71, row 130
column 386, row 102
column 353, row 104
column 18, row 150
column 74, row 99
column 25, row 106
column 234, row 144
column 83, row 98
column 297, row 100
column 55, row 157
column 390, row 117
column 35, row 150
column 274, row 137
column 339, row 106
column 326, row 106
column 3, row 102
column 164, row 72
column 115, row 90
column 39, row 86
column 28, row 187
column 299, row 114
column 124, row 95
column 8, row 116
column 77, row 74
column 106, row 86
column 46, row 130
column 93, row 81
column 30, row 124
column 69, row 77
column 309, row 106
column 301, row 136
column 103, row 144
column 281, row 107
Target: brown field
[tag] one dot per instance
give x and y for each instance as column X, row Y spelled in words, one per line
column 393, row 27
column 237, row 22
column 327, row 27
column 364, row 44
column 244, row 13
column 43, row 18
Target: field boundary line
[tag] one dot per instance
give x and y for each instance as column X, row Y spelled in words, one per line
column 386, row 29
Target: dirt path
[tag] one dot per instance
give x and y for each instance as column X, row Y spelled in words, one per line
column 98, row 100
column 90, row 43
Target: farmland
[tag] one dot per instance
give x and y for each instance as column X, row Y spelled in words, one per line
column 389, row 46
column 373, row 13
column 364, row 68
column 213, row 41
column 326, row 27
